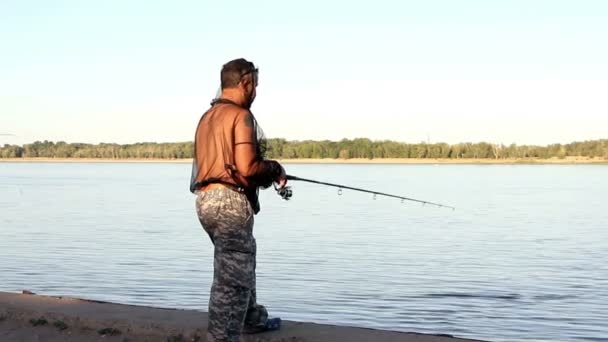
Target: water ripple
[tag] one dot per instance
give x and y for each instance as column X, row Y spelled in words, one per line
column 523, row 258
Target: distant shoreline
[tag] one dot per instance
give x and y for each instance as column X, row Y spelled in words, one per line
column 567, row 160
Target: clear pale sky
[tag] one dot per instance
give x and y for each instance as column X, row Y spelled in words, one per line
column 529, row 72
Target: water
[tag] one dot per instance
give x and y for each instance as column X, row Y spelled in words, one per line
column 523, row 258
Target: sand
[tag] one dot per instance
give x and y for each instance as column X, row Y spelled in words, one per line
column 567, row 160
column 22, row 318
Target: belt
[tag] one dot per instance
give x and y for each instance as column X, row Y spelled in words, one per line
column 216, row 185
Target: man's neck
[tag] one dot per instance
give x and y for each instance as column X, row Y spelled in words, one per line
column 234, row 96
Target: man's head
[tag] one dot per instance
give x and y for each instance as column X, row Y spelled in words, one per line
column 240, row 76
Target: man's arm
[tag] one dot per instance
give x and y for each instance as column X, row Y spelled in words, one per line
column 248, row 164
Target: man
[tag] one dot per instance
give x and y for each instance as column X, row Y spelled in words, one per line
column 227, row 171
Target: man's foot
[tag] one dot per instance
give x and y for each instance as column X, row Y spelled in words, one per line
column 271, row 324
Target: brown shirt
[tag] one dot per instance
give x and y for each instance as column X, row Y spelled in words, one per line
column 227, row 151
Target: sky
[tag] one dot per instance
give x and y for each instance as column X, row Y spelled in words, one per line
column 525, row 72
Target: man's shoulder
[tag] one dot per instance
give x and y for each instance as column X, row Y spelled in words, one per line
column 234, row 110
column 227, row 111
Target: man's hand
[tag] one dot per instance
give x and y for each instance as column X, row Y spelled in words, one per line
column 283, row 190
column 282, row 179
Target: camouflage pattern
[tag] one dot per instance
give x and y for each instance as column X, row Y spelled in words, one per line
column 226, row 215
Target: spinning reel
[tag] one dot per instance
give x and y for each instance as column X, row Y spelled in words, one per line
column 284, row 192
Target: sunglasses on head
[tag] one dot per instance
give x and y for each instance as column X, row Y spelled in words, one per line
column 252, row 70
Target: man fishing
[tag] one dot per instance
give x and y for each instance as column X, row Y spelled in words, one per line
column 227, row 171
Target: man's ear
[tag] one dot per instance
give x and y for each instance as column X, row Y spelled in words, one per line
column 246, row 81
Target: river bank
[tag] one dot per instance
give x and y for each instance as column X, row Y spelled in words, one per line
column 29, row 317
column 552, row 161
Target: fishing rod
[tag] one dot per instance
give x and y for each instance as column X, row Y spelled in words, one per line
column 340, row 187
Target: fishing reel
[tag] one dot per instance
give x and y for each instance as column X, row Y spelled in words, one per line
column 284, row 192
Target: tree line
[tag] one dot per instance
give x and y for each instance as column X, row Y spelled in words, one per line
column 344, row 149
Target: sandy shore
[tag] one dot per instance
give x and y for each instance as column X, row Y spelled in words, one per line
column 572, row 160
column 568, row 160
column 26, row 317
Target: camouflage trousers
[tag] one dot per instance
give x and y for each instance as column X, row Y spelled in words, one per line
column 227, row 217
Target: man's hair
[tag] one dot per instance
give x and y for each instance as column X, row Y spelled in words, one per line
column 233, row 72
